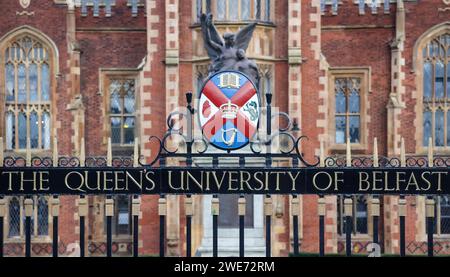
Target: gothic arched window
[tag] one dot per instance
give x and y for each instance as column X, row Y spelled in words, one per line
column 442, row 224
column 27, row 82
column 349, row 89
column 236, row 10
column 436, row 91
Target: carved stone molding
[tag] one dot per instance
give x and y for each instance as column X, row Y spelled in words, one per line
column 24, row 13
column 447, row 3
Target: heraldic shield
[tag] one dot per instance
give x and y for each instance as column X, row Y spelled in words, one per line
column 229, row 110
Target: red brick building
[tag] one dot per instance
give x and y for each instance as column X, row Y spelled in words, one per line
column 82, row 70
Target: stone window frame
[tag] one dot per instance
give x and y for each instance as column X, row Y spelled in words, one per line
column 438, row 212
column 341, row 217
column 417, row 94
column 365, row 74
column 106, row 75
column 34, row 237
column 418, row 65
column 252, row 17
column 114, row 222
column 6, row 41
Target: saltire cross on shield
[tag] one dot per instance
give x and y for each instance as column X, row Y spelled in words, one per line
column 229, row 110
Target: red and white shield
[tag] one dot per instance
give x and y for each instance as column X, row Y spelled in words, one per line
column 229, row 110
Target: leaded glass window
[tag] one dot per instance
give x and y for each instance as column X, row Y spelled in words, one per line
column 347, row 109
column 16, row 217
column 436, row 91
column 235, row 10
column 122, row 217
column 121, row 221
column 42, row 215
column 27, row 102
column 122, row 110
column 360, row 215
column 442, row 210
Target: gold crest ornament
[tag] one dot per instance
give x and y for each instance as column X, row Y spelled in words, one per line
column 25, row 3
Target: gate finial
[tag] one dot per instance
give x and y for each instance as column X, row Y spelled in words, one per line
column 322, row 154
column 109, row 154
column 349, row 154
column 375, row 153
column 430, row 152
column 82, row 153
column 55, row 152
column 136, row 152
column 402, row 153
column 28, row 155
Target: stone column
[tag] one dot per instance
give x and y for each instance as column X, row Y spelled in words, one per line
column 172, row 94
column 394, row 109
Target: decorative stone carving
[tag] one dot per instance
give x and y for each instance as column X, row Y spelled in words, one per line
column 25, row 3
column 228, row 52
column 447, row 3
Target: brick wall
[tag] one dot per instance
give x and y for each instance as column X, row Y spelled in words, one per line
column 347, row 39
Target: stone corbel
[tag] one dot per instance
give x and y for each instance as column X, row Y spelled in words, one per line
column 172, row 57
column 76, row 104
column 75, row 46
column 295, row 56
column 447, row 3
column 396, row 43
column 394, row 102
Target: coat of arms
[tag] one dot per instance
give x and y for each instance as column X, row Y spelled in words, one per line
column 229, row 110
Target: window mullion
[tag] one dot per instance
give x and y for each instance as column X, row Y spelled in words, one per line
column 347, row 111
column 122, row 122
column 39, row 119
column 263, row 7
column 446, row 98
column 28, row 106
column 16, row 106
column 433, row 97
column 227, row 10
column 239, row 11
column 39, row 100
column 445, row 110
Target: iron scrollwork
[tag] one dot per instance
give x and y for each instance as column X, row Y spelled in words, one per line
column 260, row 146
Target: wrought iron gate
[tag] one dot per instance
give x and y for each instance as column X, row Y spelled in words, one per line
column 182, row 165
